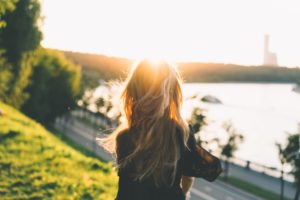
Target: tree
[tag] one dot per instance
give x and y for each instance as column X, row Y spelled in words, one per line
column 54, row 88
column 22, row 32
column 5, row 68
column 291, row 153
column 198, row 119
column 282, row 161
column 19, row 38
column 5, row 77
column 86, row 98
column 105, row 104
column 231, row 145
column 6, row 6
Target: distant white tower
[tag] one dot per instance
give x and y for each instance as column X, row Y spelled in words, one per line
column 270, row 58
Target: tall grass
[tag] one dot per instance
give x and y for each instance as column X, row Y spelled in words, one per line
column 35, row 164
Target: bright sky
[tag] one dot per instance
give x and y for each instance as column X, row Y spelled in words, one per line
column 229, row 31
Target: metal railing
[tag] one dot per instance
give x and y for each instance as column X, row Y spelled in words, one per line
column 257, row 167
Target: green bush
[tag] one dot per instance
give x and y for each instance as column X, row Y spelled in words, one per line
column 5, row 77
column 20, row 37
column 54, row 87
column 6, row 6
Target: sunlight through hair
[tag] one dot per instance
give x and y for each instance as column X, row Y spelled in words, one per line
column 152, row 100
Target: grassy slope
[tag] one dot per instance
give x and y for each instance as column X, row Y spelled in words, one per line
column 35, row 164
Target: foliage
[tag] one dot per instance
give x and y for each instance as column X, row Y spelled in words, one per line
column 115, row 68
column 231, row 145
column 54, row 88
column 99, row 66
column 291, row 154
column 104, row 101
column 17, row 95
column 86, row 98
column 6, row 6
column 281, row 153
column 234, row 139
column 103, row 105
column 89, row 81
column 198, row 119
column 19, row 39
column 218, row 72
column 35, row 164
column 21, row 33
column 5, row 77
column 5, row 69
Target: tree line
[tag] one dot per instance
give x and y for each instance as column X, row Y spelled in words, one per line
column 216, row 72
column 40, row 82
column 108, row 68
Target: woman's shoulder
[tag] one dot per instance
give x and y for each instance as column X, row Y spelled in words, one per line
column 124, row 143
column 180, row 130
column 122, row 135
column 126, row 136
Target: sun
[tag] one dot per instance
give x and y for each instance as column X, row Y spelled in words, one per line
column 195, row 30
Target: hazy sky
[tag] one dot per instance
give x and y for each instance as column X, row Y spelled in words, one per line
column 229, row 31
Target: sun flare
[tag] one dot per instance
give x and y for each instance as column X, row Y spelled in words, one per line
column 194, row 30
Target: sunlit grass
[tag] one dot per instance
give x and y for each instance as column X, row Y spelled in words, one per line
column 34, row 164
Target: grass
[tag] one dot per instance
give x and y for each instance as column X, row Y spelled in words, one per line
column 251, row 188
column 37, row 164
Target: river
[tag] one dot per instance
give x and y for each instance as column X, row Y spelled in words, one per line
column 263, row 113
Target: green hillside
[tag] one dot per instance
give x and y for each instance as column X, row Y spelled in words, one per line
column 35, row 164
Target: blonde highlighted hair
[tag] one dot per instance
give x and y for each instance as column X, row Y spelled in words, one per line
column 152, row 100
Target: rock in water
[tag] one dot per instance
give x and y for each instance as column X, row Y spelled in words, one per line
column 211, row 99
column 296, row 88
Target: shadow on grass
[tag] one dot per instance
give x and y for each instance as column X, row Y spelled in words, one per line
column 9, row 135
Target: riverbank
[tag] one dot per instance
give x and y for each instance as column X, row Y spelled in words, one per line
column 263, row 114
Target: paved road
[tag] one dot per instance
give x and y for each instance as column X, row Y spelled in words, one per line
column 218, row 190
column 262, row 180
column 202, row 189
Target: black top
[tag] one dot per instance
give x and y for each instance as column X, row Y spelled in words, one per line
column 194, row 162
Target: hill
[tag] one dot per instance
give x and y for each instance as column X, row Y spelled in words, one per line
column 103, row 67
column 36, row 164
column 219, row 72
column 107, row 67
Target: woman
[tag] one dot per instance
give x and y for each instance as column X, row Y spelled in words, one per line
column 156, row 153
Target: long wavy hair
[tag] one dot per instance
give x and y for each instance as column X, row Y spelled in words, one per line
column 152, row 99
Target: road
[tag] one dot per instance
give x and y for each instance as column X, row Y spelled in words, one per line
column 203, row 190
column 262, row 180
column 218, row 190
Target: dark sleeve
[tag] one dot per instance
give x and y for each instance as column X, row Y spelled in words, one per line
column 124, row 145
column 197, row 162
column 118, row 148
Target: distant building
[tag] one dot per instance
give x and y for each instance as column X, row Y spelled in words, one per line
column 270, row 58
